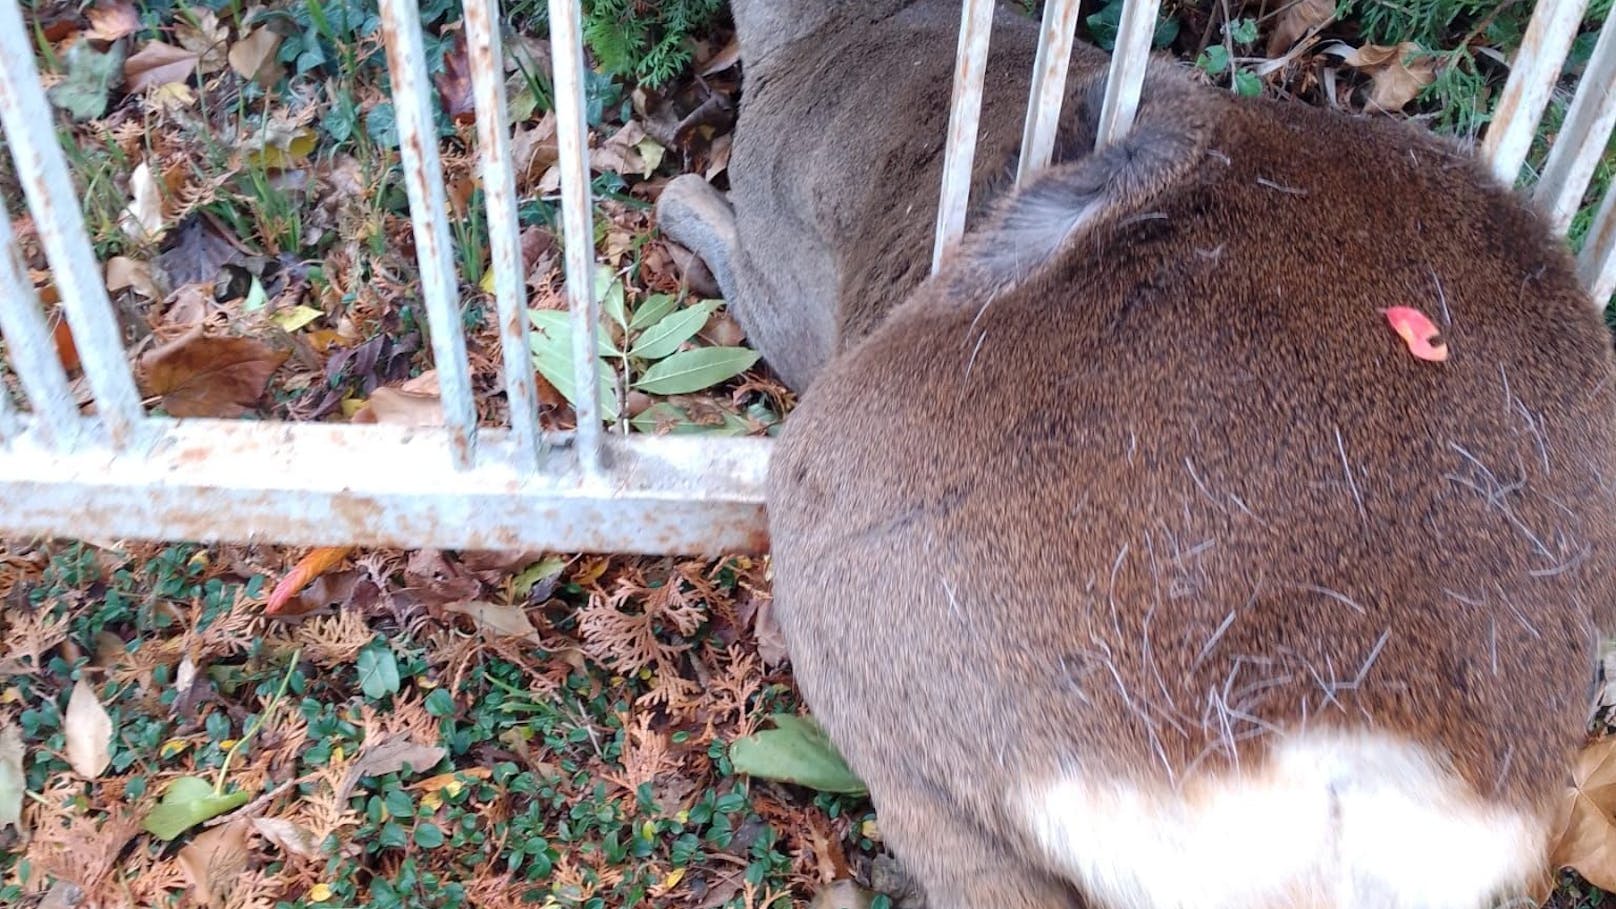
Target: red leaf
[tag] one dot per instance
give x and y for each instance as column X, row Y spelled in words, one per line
column 1418, row 332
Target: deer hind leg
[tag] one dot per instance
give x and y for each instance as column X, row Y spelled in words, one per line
column 699, row 218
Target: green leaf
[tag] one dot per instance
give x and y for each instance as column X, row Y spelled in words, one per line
column 428, row 836
column 651, row 310
column 557, row 324
column 1243, row 31
column 186, row 802
column 90, row 77
column 795, row 751
column 378, row 672
column 694, row 370
column 522, row 585
column 609, row 291
column 554, row 361
column 1214, row 61
column 674, row 329
column 1247, row 84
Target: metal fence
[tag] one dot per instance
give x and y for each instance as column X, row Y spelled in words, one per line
column 120, row 472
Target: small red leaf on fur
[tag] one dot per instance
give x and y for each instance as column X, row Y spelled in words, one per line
column 1418, row 332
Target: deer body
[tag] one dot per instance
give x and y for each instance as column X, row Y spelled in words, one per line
column 1132, row 558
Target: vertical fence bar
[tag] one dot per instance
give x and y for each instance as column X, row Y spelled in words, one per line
column 964, row 120
column 1597, row 264
column 1127, row 75
column 10, row 423
column 1583, row 136
column 32, row 350
column 504, row 240
column 423, row 183
column 1048, row 86
column 1531, row 81
column 577, row 223
column 30, row 132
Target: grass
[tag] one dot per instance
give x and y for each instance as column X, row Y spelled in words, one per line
column 583, row 763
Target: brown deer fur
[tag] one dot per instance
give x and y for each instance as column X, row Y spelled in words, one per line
column 1133, row 557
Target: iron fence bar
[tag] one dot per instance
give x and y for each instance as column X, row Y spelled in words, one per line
column 577, row 221
column 30, row 131
column 1597, row 264
column 32, row 349
column 1583, row 135
column 504, row 238
column 964, row 122
column 1048, row 86
column 1127, row 75
column 423, row 184
column 1532, row 75
column 10, row 421
column 210, row 480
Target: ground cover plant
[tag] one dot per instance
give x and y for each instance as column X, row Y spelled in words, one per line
column 259, row 727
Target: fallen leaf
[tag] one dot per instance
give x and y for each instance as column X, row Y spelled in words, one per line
column 186, row 802
column 727, row 56
column 1397, row 73
column 158, row 64
column 316, row 563
column 1586, row 837
column 291, row 837
column 90, row 78
column 295, row 318
column 66, row 350
column 12, row 779
column 131, row 274
column 214, row 859
column 1418, row 332
column 143, row 219
column 253, row 57
column 389, row 756
column 199, row 376
column 795, row 751
column 201, row 247
column 414, row 403
column 620, row 154
column 452, row 779
column 509, row 621
column 1297, row 19
column 111, row 20
column 89, row 732
column 454, row 82
column 204, row 35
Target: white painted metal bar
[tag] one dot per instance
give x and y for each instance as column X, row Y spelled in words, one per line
column 504, row 239
column 10, row 423
column 1597, row 264
column 31, row 347
column 1532, row 75
column 577, row 221
column 1583, row 135
column 1126, row 78
column 30, row 132
column 1048, row 86
column 423, row 183
column 209, row 480
column 964, row 120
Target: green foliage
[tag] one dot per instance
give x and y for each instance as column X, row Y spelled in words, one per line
column 647, row 40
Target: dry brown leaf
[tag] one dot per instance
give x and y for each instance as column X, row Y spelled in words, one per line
column 143, row 219
column 199, row 376
column 1397, row 74
column 158, row 64
column 389, row 756
column 132, row 274
column 12, row 779
column 1587, row 820
column 454, row 82
column 1295, row 21
column 111, row 20
column 88, row 729
column 292, row 838
column 510, row 621
column 207, row 38
column 253, row 57
column 726, row 57
column 214, row 859
column 414, row 403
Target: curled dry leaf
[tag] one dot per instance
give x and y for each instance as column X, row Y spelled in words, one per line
column 389, row 756
column 1586, row 828
column 88, row 729
column 158, row 64
column 1295, row 20
column 291, row 837
column 414, row 403
column 253, row 57
column 510, row 621
column 143, row 219
column 311, row 566
column 111, row 20
column 213, row 860
column 1397, row 74
column 198, row 376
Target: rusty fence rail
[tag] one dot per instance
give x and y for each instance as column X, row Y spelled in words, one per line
column 120, row 472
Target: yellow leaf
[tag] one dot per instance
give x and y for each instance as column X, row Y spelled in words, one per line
column 172, row 747
column 431, row 801
column 319, row 893
column 296, row 317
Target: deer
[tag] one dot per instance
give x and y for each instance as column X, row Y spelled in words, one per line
column 1140, row 557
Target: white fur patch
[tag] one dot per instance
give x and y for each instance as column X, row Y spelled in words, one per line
column 1333, row 821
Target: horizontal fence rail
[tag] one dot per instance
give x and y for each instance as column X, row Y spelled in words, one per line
column 117, row 471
